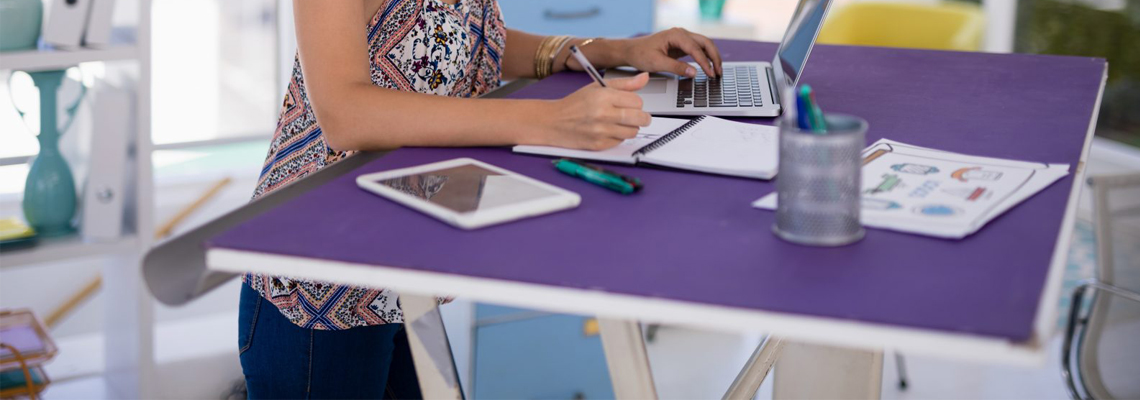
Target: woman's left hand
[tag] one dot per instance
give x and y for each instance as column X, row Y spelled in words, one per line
column 659, row 53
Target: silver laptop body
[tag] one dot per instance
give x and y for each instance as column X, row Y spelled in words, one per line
column 747, row 89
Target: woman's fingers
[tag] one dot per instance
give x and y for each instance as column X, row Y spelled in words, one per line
column 676, row 66
column 711, row 50
column 620, row 132
column 629, row 117
column 625, row 104
column 627, row 100
column 600, row 118
column 630, row 84
column 690, row 46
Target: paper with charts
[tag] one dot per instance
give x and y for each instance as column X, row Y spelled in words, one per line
column 937, row 193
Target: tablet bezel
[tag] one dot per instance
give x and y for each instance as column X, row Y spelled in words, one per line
column 561, row 200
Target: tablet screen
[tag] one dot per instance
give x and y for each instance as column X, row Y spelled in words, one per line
column 467, row 188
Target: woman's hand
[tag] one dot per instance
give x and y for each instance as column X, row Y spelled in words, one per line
column 596, row 118
column 659, row 53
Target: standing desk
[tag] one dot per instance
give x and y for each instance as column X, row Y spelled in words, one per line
column 689, row 250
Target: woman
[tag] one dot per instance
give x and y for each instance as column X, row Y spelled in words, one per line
column 408, row 80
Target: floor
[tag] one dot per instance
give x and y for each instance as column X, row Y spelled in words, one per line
column 692, row 364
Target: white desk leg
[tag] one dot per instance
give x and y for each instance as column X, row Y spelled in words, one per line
column 627, row 359
column 824, row 372
column 755, row 370
column 430, row 349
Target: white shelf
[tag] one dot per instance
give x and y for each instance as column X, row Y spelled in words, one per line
column 60, row 249
column 47, row 57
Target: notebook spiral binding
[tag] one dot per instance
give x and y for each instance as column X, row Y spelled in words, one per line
column 661, row 141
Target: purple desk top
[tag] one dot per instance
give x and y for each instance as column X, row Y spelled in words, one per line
column 693, row 237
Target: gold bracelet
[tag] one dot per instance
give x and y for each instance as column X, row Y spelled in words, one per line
column 557, row 50
column 538, row 56
column 544, row 61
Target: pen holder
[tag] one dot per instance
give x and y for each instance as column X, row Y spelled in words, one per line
column 819, row 182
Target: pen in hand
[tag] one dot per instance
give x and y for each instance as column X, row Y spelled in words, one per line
column 577, row 53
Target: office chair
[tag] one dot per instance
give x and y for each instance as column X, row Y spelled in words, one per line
column 945, row 25
column 1100, row 358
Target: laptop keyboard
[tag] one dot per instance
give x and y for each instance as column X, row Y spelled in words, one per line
column 738, row 87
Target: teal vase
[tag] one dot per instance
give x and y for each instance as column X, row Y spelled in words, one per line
column 49, row 193
column 20, row 24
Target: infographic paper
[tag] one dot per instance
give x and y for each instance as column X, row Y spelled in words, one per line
column 931, row 192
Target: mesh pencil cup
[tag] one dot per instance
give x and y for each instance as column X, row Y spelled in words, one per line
column 819, row 182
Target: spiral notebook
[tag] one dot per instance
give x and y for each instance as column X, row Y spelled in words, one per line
column 705, row 144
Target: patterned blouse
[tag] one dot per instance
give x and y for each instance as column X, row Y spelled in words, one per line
column 425, row 46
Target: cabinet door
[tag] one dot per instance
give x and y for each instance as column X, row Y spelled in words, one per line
column 550, row 357
column 487, row 312
column 581, row 18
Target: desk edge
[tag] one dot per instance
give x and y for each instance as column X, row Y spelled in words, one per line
column 802, row 328
column 1046, row 317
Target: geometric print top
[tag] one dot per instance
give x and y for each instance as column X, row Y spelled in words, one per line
column 424, row 46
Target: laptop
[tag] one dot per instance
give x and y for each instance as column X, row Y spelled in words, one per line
column 747, row 89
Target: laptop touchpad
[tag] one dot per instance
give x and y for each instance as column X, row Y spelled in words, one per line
column 655, row 86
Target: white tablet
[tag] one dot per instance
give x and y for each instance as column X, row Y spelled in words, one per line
column 468, row 193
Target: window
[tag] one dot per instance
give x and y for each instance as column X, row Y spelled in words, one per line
column 1095, row 28
column 215, row 73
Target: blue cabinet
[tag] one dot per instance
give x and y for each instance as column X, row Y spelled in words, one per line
column 541, row 357
column 580, row 18
column 485, row 313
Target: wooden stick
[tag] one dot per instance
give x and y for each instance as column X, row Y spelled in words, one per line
column 74, row 301
column 166, row 228
column 93, row 286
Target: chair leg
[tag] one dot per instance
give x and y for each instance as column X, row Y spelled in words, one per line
column 901, row 366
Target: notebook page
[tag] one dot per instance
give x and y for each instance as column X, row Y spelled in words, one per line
column 622, row 153
column 720, row 146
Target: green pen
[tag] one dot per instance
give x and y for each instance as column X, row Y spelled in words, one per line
column 817, row 115
column 805, row 98
column 597, row 176
column 814, row 113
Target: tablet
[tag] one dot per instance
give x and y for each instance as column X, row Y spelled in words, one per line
column 468, row 193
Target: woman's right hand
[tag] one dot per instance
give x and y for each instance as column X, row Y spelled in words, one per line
column 597, row 118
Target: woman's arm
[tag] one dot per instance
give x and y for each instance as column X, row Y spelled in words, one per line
column 357, row 115
column 654, row 53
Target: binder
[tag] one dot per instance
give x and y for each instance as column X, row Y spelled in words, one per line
column 99, row 23
column 105, row 193
column 66, row 23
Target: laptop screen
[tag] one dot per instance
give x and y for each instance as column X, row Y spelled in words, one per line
column 800, row 36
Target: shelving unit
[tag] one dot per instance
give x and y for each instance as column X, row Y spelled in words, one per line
column 66, row 248
column 128, row 366
column 39, row 60
column 124, row 47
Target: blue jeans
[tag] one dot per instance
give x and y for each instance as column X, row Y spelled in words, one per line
column 284, row 361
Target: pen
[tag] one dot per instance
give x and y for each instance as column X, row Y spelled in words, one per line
column 803, row 115
column 586, row 64
column 598, row 176
column 816, row 114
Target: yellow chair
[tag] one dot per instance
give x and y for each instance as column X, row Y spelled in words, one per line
column 947, row 25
